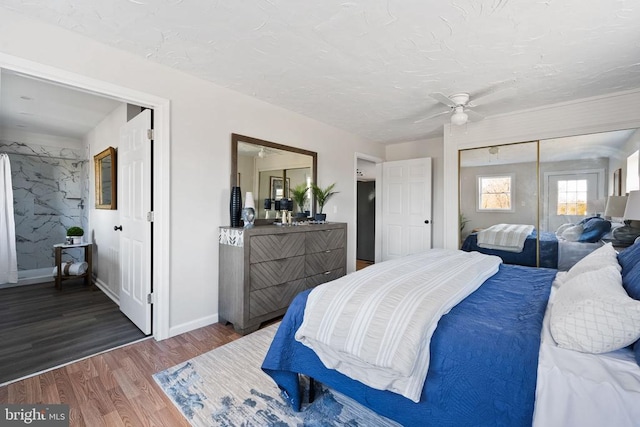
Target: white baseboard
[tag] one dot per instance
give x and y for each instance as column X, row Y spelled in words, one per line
column 104, row 288
column 194, row 324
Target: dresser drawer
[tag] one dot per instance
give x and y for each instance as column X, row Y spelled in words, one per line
column 270, row 273
column 323, row 240
column 322, row 262
column 274, row 298
column 327, row 276
column 276, row 246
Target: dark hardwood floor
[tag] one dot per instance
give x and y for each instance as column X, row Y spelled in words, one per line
column 42, row 327
column 116, row 388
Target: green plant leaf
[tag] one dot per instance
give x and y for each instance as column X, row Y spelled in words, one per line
column 323, row 195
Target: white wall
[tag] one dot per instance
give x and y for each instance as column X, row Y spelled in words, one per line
column 433, row 148
column 203, row 116
column 101, row 221
column 591, row 115
column 619, row 161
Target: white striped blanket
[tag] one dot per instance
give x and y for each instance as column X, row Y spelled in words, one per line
column 375, row 325
column 506, row 237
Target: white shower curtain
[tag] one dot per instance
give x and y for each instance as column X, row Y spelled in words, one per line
column 8, row 257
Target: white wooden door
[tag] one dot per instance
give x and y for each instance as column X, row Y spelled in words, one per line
column 134, row 203
column 406, row 207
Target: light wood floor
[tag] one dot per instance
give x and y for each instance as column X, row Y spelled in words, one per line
column 116, row 388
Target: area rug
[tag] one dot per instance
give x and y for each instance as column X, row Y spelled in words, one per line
column 226, row 387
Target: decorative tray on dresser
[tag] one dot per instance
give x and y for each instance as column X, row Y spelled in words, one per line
column 263, row 268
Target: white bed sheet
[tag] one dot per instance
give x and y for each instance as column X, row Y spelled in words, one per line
column 579, row 389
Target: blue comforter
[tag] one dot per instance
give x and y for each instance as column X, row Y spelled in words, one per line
column 484, row 358
column 528, row 256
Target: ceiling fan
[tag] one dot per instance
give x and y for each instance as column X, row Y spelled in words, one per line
column 460, row 103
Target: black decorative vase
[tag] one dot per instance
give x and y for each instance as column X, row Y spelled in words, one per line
column 235, row 206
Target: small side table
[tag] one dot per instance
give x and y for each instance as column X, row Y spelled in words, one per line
column 59, row 248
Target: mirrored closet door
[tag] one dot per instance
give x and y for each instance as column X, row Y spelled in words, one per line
column 569, row 192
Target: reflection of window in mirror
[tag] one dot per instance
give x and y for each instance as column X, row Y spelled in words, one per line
column 572, row 197
column 495, row 193
column 105, row 179
column 633, row 181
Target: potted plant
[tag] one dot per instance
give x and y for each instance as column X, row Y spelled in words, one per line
column 74, row 235
column 322, row 196
column 462, row 221
column 299, row 196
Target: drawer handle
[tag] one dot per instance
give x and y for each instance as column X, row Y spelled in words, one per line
column 326, row 273
column 327, row 251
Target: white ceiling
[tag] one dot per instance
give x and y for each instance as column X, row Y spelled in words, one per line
column 41, row 107
column 606, row 144
column 368, row 66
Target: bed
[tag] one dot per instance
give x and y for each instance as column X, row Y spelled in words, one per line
column 528, row 256
column 560, row 249
column 488, row 365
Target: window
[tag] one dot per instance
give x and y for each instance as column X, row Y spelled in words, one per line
column 495, row 193
column 572, row 197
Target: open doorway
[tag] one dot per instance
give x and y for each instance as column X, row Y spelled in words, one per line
column 365, row 213
column 50, row 132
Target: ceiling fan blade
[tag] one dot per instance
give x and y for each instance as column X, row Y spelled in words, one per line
column 442, row 99
column 473, row 116
column 431, row 116
column 499, row 90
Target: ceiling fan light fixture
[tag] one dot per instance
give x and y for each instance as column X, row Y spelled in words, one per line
column 459, row 117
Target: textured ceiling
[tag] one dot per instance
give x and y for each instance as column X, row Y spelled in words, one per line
column 37, row 106
column 607, row 144
column 369, row 66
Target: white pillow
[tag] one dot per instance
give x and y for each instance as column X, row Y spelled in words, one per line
column 592, row 313
column 604, row 256
column 561, row 229
column 571, row 233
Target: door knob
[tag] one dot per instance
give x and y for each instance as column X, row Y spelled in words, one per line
column 117, row 227
column 426, row 221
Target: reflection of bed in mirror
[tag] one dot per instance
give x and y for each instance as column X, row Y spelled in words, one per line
column 528, row 256
column 560, row 249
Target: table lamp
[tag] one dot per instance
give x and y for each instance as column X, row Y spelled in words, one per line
column 248, row 200
column 595, row 207
column 629, row 232
column 615, row 207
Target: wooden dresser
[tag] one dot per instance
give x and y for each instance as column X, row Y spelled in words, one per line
column 263, row 268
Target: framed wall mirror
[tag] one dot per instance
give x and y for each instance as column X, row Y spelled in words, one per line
column 106, row 183
column 270, row 171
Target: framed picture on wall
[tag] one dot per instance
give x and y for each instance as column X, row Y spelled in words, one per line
column 617, row 182
column 278, row 191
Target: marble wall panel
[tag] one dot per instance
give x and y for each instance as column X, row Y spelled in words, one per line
column 50, row 189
